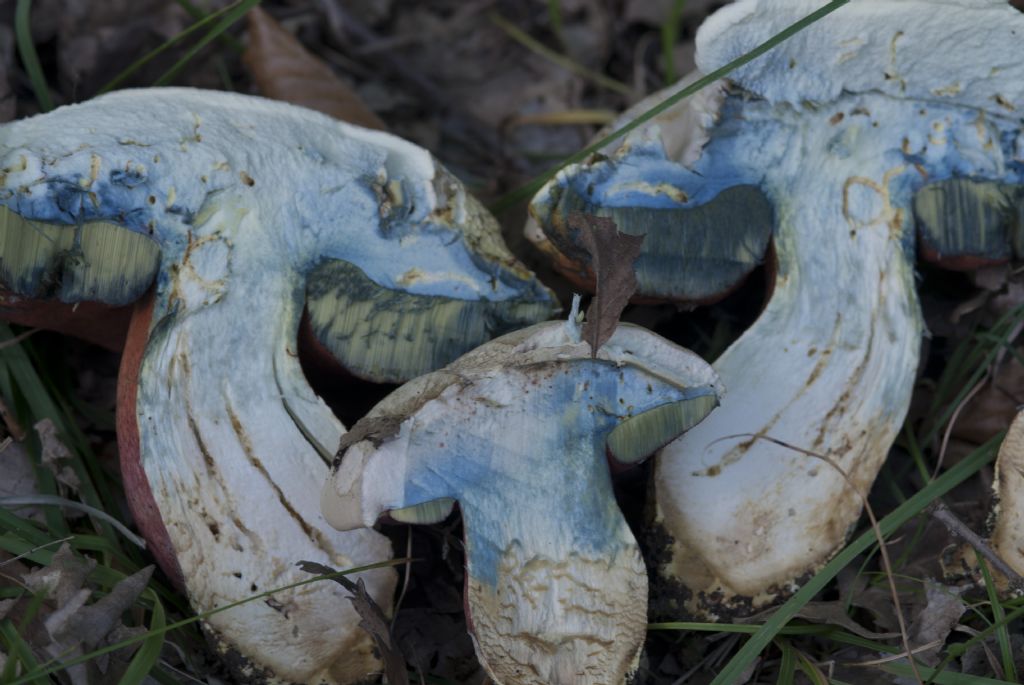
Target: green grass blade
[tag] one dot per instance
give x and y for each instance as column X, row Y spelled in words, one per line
column 36, row 390
column 999, row 614
column 748, row 628
column 29, row 56
column 937, row 676
column 669, row 38
column 901, row 515
column 555, row 19
column 229, row 18
column 535, row 46
column 198, row 13
column 149, row 653
column 18, row 652
column 526, row 191
column 957, row 650
column 787, row 667
column 201, row 23
column 809, row 670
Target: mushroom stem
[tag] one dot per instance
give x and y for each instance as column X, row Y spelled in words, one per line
column 232, row 452
column 1008, row 533
column 838, row 343
column 522, row 585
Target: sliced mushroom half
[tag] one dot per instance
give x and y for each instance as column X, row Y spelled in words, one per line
column 517, row 433
column 840, row 128
column 236, row 211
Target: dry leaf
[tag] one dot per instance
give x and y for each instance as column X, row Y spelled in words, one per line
column 612, row 256
column 995, row 405
column 19, row 477
column 373, row 620
column 286, row 71
column 439, row 644
column 73, row 626
column 56, row 456
column 936, row 619
column 834, row 613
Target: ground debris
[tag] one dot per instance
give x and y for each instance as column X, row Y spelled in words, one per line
column 71, row 625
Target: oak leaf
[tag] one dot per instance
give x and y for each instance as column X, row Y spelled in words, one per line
column 284, row 70
column 612, row 258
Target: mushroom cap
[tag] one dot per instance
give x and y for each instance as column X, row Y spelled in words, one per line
column 874, row 46
column 364, row 206
column 706, row 228
column 539, row 346
column 517, row 432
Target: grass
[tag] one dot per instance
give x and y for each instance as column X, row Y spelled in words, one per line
column 35, row 385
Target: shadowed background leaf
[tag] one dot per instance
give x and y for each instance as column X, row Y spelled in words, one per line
column 284, row 70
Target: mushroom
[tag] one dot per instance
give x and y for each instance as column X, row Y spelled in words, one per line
column 1008, row 530
column 237, row 211
column 839, row 128
column 517, row 432
column 704, row 235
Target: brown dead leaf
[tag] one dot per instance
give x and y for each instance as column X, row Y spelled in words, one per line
column 372, row 619
column 439, row 644
column 63, row 578
column 56, row 456
column 19, row 477
column 936, row 619
column 70, row 626
column 995, row 405
column 612, row 256
column 286, row 71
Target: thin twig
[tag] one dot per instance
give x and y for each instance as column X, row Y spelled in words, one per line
column 883, row 547
column 18, row 338
column 563, row 61
column 405, row 580
column 952, row 422
column 36, row 549
column 896, row 657
column 941, row 513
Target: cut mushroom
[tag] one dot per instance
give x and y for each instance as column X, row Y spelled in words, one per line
column 517, row 432
column 838, row 128
column 227, row 205
column 703, row 234
column 1008, row 534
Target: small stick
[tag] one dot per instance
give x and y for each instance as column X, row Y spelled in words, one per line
column 941, row 513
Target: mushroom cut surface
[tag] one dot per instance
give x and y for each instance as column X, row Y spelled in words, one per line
column 857, row 132
column 226, row 206
column 517, row 433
